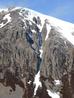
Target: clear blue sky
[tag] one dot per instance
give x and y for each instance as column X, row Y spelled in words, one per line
column 62, row 9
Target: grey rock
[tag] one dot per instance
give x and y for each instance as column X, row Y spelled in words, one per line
column 18, row 59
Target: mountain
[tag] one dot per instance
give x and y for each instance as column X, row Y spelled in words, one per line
column 36, row 55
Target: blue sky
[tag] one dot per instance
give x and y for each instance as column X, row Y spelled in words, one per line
column 62, row 9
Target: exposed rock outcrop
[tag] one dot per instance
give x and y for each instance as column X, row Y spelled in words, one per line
column 30, row 43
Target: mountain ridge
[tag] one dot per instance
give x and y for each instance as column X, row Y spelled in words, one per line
column 36, row 54
column 57, row 23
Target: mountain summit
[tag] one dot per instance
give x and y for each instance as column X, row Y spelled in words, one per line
column 36, row 55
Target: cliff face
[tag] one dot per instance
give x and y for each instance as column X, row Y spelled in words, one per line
column 36, row 55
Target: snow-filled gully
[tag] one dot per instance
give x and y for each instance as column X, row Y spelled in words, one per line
column 39, row 53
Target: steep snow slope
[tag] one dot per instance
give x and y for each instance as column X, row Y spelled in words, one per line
column 65, row 28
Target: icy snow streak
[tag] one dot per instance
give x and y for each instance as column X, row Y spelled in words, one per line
column 8, row 20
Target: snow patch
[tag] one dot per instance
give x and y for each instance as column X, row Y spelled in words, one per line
column 6, row 10
column 41, row 52
column 53, row 94
column 8, row 20
column 68, row 35
column 33, row 31
column 15, row 8
column 29, row 82
column 40, row 27
column 48, row 31
column 57, row 82
column 42, row 24
column 7, row 17
column 64, row 28
column 30, row 17
column 1, row 25
column 37, row 82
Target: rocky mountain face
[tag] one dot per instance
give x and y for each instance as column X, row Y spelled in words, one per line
column 36, row 55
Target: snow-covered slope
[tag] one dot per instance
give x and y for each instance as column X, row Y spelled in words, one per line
column 65, row 28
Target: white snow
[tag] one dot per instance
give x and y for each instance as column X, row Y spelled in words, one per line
column 40, row 27
column 1, row 25
column 33, row 31
column 41, row 52
column 32, row 14
column 48, row 31
column 15, row 8
column 57, row 82
column 29, row 82
column 5, row 9
column 53, row 94
column 68, row 35
column 37, row 82
column 8, row 20
column 9, row 9
column 7, row 17
column 64, row 28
